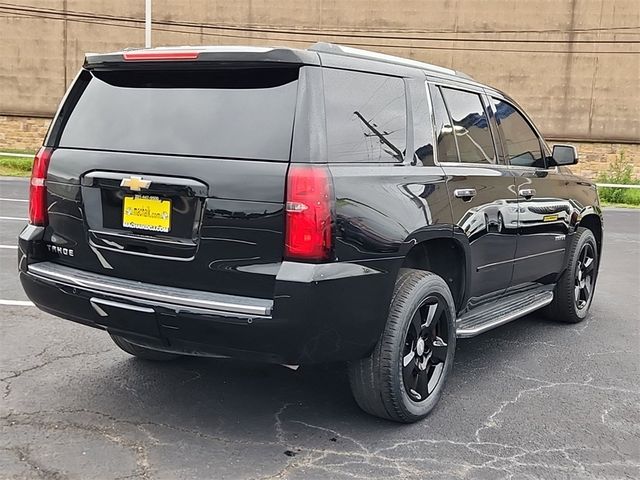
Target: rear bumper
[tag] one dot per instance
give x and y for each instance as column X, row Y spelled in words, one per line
column 319, row 313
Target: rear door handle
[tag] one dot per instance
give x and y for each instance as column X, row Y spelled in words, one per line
column 527, row 192
column 465, row 193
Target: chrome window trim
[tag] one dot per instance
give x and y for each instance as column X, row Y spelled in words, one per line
column 469, row 89
column 474, row 165
column 433, row 124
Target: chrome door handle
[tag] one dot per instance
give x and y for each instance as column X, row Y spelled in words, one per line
column 465, row 193
column 527, row 192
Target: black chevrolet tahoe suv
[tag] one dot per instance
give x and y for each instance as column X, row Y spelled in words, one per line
column 304, row 206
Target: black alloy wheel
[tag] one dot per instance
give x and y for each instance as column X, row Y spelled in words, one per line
column 404, row 376
column 584, row 276
column 425, row 349
column 574, row 291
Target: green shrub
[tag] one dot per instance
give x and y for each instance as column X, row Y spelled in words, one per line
column 621, row 172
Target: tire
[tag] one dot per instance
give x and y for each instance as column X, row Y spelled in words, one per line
column 142, row 352
column 566, row 306
column 381, row 383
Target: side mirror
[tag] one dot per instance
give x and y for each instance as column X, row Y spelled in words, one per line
column 565, row 155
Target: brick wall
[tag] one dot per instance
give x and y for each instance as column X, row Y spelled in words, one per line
column 27, row 133
column 23, row 133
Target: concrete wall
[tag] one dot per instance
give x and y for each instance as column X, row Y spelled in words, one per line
column 573, row 88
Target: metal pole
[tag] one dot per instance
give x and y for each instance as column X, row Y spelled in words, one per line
column 147, row 24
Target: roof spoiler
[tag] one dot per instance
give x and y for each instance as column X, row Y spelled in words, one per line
column 199, row 55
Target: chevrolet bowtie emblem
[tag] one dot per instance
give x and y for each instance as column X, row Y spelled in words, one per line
column 135, row 183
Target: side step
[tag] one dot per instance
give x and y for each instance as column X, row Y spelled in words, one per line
column 515, row 306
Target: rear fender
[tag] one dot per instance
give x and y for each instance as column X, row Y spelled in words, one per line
column 447, row 232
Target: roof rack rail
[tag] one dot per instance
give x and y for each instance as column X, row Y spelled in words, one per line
column 336, row 49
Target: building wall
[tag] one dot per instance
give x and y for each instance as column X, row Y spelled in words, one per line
column 572, row 64
column 572, row 87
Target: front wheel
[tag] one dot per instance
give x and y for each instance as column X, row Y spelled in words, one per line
column 403, row 378
column 574, row 291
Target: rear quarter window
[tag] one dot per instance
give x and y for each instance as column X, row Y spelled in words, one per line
column 239, row 113
column 366, row 117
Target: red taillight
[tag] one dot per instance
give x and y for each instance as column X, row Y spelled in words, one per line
column 38, row 189
column 147, row 55
column 308, row 234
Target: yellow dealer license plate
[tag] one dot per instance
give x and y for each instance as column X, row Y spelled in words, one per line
column 144, row 212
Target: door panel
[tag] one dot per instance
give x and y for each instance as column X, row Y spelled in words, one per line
column 544, row 224
column 482, row 191
column 544, row 210
column 489, row 221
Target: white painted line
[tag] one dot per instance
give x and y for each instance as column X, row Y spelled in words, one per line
column 14, row 200
column 17, row 303
column 23, row 155
column 17, row 219
column 12, row 247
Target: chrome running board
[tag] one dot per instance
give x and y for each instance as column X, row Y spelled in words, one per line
column 486, row 318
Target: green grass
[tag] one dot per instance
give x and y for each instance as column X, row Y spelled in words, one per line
column 16, row 150
column 15, row 166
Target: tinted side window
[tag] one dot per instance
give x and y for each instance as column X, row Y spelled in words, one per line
column 471, row 126
column 366, row 117
column 447, row 151
column 521, row 142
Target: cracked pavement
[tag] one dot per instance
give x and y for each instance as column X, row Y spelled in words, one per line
column 532, row 399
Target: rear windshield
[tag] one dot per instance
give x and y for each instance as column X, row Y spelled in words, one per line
column 239, row 113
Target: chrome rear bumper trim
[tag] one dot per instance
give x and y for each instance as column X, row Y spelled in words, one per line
column 179, row 297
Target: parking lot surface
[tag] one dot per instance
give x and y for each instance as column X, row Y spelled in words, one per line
column 532, row 399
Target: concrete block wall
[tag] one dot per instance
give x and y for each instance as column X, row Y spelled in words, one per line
column 22, row 133
column 597, row 157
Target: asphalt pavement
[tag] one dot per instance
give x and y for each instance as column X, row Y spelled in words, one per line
column 532, row 399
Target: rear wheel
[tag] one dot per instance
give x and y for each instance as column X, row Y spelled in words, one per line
column 404, row 377
column 142, row 352
column 574, row 291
